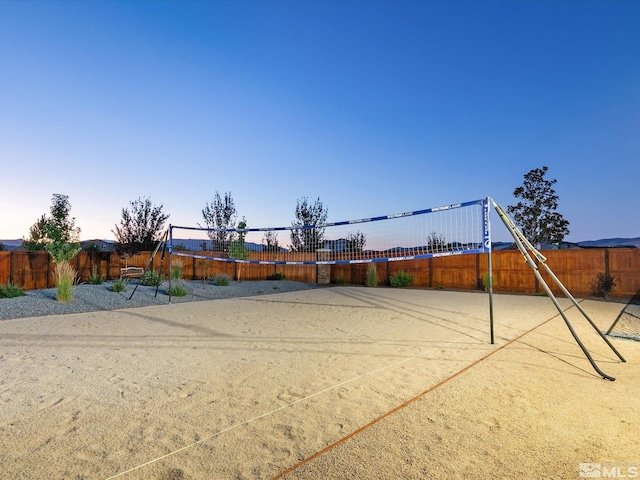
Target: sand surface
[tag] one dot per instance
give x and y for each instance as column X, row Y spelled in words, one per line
column 256, row 387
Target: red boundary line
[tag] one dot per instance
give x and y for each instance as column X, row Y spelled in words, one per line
column 405, row 404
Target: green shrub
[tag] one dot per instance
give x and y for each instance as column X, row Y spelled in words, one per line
column 401, row 279
column 484, row 281
column 276, row 276
column 118, row 285
column 151, row 278
column 176, row 270
column 178, row 290
column 602, row 285
column 65, row 279
column 11, row 290
column 341, row 280
column 372, row 275
column 221, row 280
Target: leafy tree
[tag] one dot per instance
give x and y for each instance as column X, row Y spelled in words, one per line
column 536, row 212
column 355, row 242
column 220, row 216
column 306, row 236
column 237, row 246
column 63, row 235
column 37, row 235
column 140, row 228
column 57, row 233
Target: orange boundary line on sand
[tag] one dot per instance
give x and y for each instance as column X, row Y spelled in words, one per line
column 405, row 404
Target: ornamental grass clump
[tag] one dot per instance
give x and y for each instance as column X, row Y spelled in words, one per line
column 221, row 280
column 65, row 279
column 486, row 281
column 372, row 275
column 178, row 290
column 176, row 270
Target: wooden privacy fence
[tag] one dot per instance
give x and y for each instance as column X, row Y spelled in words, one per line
column 575, row 268
column 35, row 270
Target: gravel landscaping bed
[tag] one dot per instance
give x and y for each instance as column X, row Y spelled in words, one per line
column 90, row 298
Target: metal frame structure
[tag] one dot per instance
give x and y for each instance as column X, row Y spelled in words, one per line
column 527, row 251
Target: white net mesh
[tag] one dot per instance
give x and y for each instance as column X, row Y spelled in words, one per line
column 447, row 230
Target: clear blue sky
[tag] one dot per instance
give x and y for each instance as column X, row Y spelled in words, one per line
column 376, row 107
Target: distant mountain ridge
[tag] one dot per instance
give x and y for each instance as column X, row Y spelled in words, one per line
column 11, row 244
column 611, row 243
column 603, row 243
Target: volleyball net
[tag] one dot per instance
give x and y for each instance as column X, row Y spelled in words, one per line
column 460, row 228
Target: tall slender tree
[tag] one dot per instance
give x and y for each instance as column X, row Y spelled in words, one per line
column 219, row 216
column 306, row 236
column 237, row 246
column 270, row 242
column 61, row 230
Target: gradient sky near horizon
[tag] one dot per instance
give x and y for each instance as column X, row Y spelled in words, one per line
column 376, row 107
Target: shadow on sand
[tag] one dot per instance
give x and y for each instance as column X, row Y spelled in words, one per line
column 627, row 323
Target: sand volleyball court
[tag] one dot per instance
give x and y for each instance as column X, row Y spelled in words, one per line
column 255, row 387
